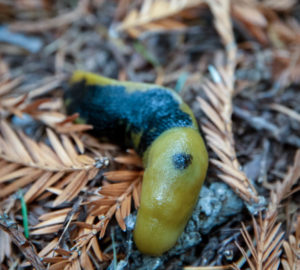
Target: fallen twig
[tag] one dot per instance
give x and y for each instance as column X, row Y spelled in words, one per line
column 21, row 242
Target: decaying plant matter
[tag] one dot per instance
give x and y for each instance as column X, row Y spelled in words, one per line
column 42, row 109
column 78, row 190
column 157, row 15
column 267, row 247
column 292, row 249
column 219, row 109
column 64, row 168
column 27, row 161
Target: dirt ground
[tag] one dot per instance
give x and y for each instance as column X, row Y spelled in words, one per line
column 69, row 200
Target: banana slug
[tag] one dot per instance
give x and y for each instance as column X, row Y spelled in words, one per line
column 163, row 130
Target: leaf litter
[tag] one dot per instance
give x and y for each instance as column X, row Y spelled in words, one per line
column 242, row 61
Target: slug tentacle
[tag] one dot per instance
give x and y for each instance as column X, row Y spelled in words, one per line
column 163, row 130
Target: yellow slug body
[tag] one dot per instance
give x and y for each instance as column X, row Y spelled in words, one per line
column 163, row 130
column 169, row 194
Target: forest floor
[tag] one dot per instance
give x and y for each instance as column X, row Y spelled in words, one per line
column 69, row 201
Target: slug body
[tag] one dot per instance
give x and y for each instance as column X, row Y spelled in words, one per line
column 163, row 130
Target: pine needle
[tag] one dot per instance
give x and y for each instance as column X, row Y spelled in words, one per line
column 268, row 236
column 291, row 247
column 218, row 109
column 157, row 15
column 60, row 167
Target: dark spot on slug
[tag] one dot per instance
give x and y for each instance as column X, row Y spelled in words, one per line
column 182, row 160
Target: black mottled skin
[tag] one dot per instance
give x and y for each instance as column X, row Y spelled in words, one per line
column 118, row 114
column 182, row 160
